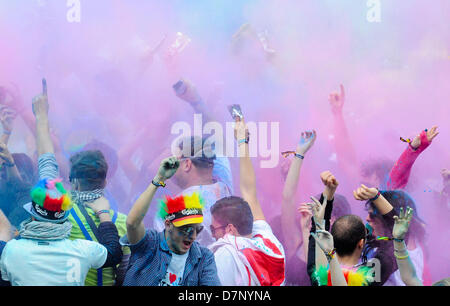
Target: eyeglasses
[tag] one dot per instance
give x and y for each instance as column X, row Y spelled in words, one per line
column 188, row 231
column 213, row 229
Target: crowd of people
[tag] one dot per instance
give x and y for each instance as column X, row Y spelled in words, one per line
column 60, row 224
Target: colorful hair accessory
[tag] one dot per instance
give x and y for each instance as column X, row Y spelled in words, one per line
column 182, row 210
column 51, row 195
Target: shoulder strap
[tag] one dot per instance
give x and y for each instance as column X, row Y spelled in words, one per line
column 86, row 233
column 89, row 221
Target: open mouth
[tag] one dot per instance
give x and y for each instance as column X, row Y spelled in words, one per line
column 187, row 244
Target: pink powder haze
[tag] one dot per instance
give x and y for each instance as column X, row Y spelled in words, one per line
column 103, row 84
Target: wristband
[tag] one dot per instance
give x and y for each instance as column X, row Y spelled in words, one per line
column 401, row 257
column 299, row 156
column 243, row 140
column 375, row 197
column 103, row 211
column 159, row 184
column 287, row 153
column 330, row 255
column 388, row 238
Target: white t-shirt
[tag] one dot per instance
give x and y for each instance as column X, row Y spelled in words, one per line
column 255, row 261
column 27, row 262
column 416, row 257
column 175, row 271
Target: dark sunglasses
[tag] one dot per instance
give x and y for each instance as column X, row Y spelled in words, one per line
column 188, row 231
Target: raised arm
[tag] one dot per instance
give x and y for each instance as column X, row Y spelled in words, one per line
column 109, row 236
column 7, row 161
column 405, row 266
column 40, row 110
column 318, row 211
column 289, row 190
column 19, row 107
column 246, row 171
column 365, row 193
column 326, row 244
column 135, row 224
column 321, row 221
column 7, row 116
column 346, row 153
column 399, row 175
column 186, row 90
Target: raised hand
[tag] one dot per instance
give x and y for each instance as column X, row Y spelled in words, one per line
column 402, row 222
column 431, row 133
column 330, row 182
column 5, row 156
column 307, row 140
column 167, row 169
column 40, row 102
column 325, row 240
column 318, row 212
column 240, row 129
column 189, row 92
column 364, row 193
column 445, row 175
column 7, row 116
column 337, row 101
column 305, row 216
column 99, row 204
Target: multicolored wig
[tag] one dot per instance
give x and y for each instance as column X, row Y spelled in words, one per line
column 182, row 210
column 361, row 277
column 51, row 195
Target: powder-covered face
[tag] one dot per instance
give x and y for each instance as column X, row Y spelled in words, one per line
column 180, row 239
column 376, row 224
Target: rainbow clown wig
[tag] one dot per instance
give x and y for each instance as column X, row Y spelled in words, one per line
column 182, row 210
column 50, row 201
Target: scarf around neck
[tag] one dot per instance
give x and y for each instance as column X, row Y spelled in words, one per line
column 86, row 196
column 40, row 230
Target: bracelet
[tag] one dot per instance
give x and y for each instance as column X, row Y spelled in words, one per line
column 299, row 156
column 330, row 255
column 401, row 257
column 387, row 238
column 243, row 140
column 159, row 184
column 103, row 211
column 375, row 197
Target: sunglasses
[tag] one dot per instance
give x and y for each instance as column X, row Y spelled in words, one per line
column 214, row 229
column 188, row 231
